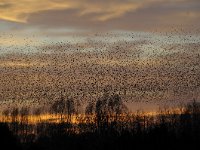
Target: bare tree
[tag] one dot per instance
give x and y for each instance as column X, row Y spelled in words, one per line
column 70, row 109
column 108, row 109
column 102, row 111
column 90, row 108
column 37, row 112
column 24, row 112
column 58, row 107
column 14, row 118
column 6, row 113
column 116, row 106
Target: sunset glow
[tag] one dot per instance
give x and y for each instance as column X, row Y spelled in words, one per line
column 99, row 74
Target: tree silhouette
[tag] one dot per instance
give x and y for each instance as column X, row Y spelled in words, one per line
column 58, row 107
column 70, row 109
column 6, row 114
column 24, row 112
column 116, row 106
column 90, row 108
column 14, row 117
column 108, row 109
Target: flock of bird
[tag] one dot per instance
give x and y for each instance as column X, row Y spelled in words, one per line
column 146, row 68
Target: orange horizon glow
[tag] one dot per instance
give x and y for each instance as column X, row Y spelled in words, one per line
column 82, row 118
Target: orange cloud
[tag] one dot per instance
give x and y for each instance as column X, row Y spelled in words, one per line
column 115, row 14
column 19, row 11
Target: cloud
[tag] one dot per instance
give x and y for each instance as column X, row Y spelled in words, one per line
column 104, row 14
column 19, row 11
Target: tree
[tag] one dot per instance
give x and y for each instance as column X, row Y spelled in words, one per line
column 70, row 109
column 102, row 111
column 90, row 108
column 116, row 106
column 58, row 107
column 14, row 118
column 6, row 113
column 24, row 112
column 64, row 107
column 107, row 107
column 37, row 112
column 193, row 110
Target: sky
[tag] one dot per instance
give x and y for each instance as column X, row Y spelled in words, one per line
column 98, row 15
column 145, row 50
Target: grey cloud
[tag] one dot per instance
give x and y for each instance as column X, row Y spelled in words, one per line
column 155, row 14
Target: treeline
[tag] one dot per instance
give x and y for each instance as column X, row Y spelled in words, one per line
column 107, row 124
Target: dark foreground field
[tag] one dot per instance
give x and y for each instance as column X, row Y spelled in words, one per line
column 164, row 131
column 159, row 137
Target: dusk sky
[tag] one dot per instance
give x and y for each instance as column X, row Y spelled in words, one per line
column 97, row 15
column 147, row 50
